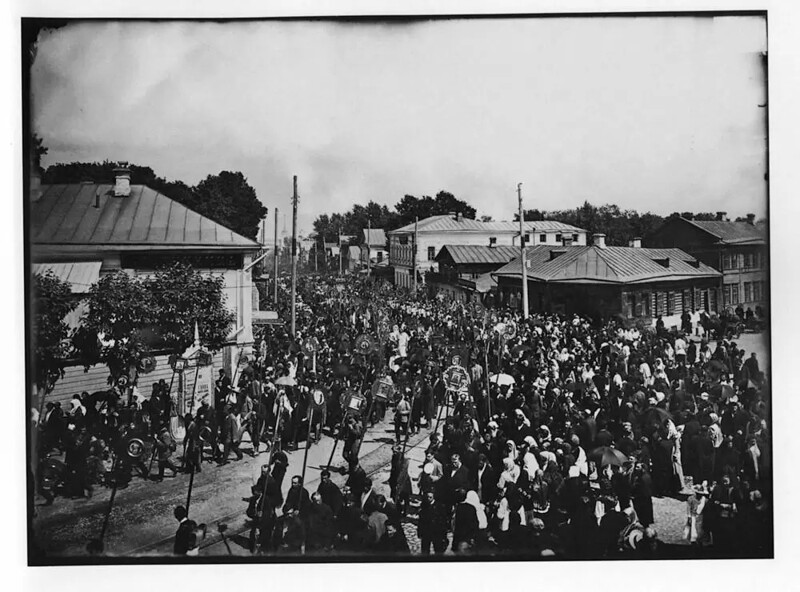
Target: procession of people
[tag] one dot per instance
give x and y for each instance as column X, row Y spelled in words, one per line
column 548, row 436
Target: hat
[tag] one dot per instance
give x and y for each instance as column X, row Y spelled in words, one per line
column 493, row 425
column 529, row 441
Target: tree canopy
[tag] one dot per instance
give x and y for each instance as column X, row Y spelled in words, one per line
column 619, row 226
column 52, row 301
column 226, row 198
column 130, row 317
column 352, row 222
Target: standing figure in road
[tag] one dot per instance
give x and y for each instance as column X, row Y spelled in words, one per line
column 165, row 446
column 231, row 436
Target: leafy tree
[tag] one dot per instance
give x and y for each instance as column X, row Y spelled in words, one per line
column 411, row 207
column 619, row 226
column 182, row 296
column 229, row 199
column 123, row 316
column 52, row 302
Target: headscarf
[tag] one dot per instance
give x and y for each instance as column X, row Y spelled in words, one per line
column 76, row 404
column 472, row 500
column 510, row 473
column 513, row 454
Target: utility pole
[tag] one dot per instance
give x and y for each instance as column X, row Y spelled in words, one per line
column 414, row 252
column 522, row 251
column 294, row 250
column 369, row 253
column 275, row 261
column 340, row 250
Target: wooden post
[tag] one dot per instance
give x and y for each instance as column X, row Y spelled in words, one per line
column 294, row 253
column 275, row 261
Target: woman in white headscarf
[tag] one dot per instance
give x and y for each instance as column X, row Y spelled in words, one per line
column 509, row 475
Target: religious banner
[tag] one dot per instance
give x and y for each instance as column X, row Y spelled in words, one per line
column 456, row 378
column 364, row 344
column 383, row 388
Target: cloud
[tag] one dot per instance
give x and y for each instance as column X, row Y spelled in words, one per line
column 656, row 114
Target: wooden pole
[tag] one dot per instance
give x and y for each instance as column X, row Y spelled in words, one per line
column 414, row 252
column 275, row 261
column 308, row 445
column 369, row 253
column 522, row 255
column 294, row 253
column 191, row 480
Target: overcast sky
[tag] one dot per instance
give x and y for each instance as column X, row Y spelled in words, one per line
column 657, row 114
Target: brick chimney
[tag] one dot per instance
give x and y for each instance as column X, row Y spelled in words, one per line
column 751, row 219
column 122, row 180
column 721, row 216
column 459, row 217
column 636, row 243
column 599, row 240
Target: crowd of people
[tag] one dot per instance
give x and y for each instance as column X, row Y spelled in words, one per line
column 567, row 430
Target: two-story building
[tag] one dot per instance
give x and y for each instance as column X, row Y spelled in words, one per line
column 738, row 249
column 453, row 229
column 84, row 231
column 374, row 247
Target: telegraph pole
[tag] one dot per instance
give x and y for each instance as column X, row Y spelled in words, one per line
column 340, row 250
column 522, row 251
column 275, row 261
column 369, row 254
column 414, row 252
column 294, row 250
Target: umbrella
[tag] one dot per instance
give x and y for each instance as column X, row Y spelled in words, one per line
column 717, row 365
column 606, row 455
column 502, row 379
column 286, row 381
column 655, row 415
column 518, row 349
column 420, row 355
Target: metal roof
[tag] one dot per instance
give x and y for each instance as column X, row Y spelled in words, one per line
column 447, row 223
column 65, row 215
column 375, row 237
column 467, row 254
column 80, row 276
column 731, row 232
column 610, row 265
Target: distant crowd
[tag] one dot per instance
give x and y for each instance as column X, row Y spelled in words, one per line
column 567, row 431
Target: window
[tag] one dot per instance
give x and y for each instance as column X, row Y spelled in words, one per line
column 575, row 237
column 734, row 293
column 749, row 261
column 756, row 291
column 726, row 295
column 403, row 240
column 730, row 261
column 380, row 256
column 748, row 291
column 670, row 303
column 558, row 238
column 542, row 238
column 431, row 253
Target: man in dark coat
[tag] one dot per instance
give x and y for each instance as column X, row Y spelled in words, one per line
column 267, row 497
column 432, row 525
column 330, row 494
column 321, row 530
column 297, row 498
column 456, row 478
column 185, row 539
column 484, row 480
